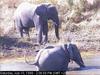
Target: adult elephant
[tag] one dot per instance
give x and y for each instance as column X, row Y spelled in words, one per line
column 57, row 58
column 27, row 16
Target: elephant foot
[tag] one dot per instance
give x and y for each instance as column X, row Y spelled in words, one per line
column 82, row 66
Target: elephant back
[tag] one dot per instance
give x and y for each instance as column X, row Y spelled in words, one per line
column 53, row 59
column 25, row 13
column 23, row 8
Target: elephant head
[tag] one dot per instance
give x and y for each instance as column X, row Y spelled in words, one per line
column 49, row 12
column 57, row 58
column 75, row 54
column 53, row 15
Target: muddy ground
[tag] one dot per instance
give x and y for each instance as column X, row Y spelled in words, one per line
column 91, row 60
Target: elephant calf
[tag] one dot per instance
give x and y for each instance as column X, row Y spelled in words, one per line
column 57, row 58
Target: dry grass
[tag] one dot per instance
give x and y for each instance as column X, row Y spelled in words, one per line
column 79, row 21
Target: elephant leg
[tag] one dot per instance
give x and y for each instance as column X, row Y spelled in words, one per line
column 75, row 55
column 80, row 62
column 45, row 32
column 45, row 37
column 40, row 29
column 19, row 26
column 27, row 32
column 21, row 31
column 78, row 58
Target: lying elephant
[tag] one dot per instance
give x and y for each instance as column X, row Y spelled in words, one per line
column 57, row 58
column 27, row 16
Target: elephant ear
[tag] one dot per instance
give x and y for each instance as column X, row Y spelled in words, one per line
column 52, row 12
column 41, row 10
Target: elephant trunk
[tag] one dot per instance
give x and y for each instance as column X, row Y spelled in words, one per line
column 57, row 31
column 56, row 23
